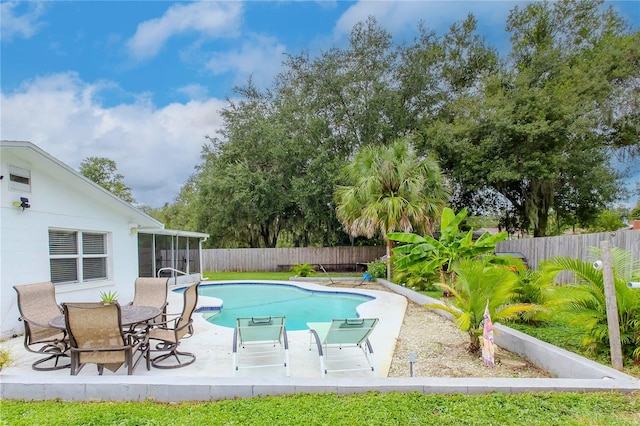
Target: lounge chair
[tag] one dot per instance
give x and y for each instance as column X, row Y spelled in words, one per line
column 340, row 334
column 152, row 292
column 37, row 305
column 96, row 337
column 260, row 331
column 170, row 332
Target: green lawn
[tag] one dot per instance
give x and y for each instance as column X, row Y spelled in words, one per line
column 323, row 409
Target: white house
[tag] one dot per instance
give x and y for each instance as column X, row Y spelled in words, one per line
column 56, row 225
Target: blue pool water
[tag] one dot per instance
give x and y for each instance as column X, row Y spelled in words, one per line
column 298, row 305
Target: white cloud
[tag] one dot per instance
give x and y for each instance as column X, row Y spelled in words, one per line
column 399, row 17
column 207, row 18
column 155, row 149
column 20, row 25
column 194, row 91
column 261, row 57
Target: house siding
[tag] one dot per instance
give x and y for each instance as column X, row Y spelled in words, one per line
column 58, row 199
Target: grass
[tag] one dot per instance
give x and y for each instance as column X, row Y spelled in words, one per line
column 435, row 294
column 320, row 409
column 561, row 333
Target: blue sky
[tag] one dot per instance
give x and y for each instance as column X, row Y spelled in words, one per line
column 142, row 82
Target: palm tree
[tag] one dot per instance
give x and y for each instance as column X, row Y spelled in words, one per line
column 390, row 188
column 589, row 304
column 481, row 284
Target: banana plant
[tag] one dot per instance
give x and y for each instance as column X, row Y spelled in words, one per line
column 425, row 254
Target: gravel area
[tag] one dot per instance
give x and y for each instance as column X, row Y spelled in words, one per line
column 440, row 348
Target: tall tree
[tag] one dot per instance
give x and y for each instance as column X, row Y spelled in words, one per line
column 104, row 172
column 436, row 71
column 252, row 166
column 278, row 158
column 529, row 131
column 353, row 90
column 390, row 188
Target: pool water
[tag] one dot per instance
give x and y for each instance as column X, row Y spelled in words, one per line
column 298, row 305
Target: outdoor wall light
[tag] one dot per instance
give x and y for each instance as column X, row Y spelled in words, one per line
column 24, row 203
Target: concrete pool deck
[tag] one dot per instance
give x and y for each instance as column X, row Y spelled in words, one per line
column 211, row 376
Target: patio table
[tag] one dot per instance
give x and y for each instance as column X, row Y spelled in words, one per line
column 130, row 314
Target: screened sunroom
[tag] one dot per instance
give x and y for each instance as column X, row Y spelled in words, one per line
column 170, row 253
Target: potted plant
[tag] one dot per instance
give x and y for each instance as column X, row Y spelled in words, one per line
column 109, row 297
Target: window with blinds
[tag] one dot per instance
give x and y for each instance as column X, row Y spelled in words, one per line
column 77, row 256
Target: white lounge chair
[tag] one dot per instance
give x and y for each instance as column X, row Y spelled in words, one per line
column 340, row 334
column 260, row 331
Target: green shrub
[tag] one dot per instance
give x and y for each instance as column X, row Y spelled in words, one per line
column 377, row 269
column 588, row 304
column 302, row 269
column 415, row 280
column 607, row 220
column 536, row 288
column 426, row 255
column 481, row 285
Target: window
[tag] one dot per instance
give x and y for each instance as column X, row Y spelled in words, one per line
column 19, row 179
column 77, row 256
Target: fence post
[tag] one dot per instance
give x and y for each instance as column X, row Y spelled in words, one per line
column 612, row 305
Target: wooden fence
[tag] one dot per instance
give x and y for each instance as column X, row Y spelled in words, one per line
column 274, row 259
column 348, row 258
column 576, row 246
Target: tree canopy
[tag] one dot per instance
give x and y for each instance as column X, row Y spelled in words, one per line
column 541, row 131
column 533, row 136
column 104, row 172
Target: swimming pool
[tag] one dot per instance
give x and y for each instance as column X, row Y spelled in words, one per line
column 298, row 305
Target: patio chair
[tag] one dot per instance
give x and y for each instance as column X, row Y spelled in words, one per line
column 340, row 334
column 37, row 305
column 170, row 332
column 260, row 331
column 96, row 337
column 152, row 292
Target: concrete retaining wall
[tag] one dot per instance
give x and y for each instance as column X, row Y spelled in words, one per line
column 177, row 389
